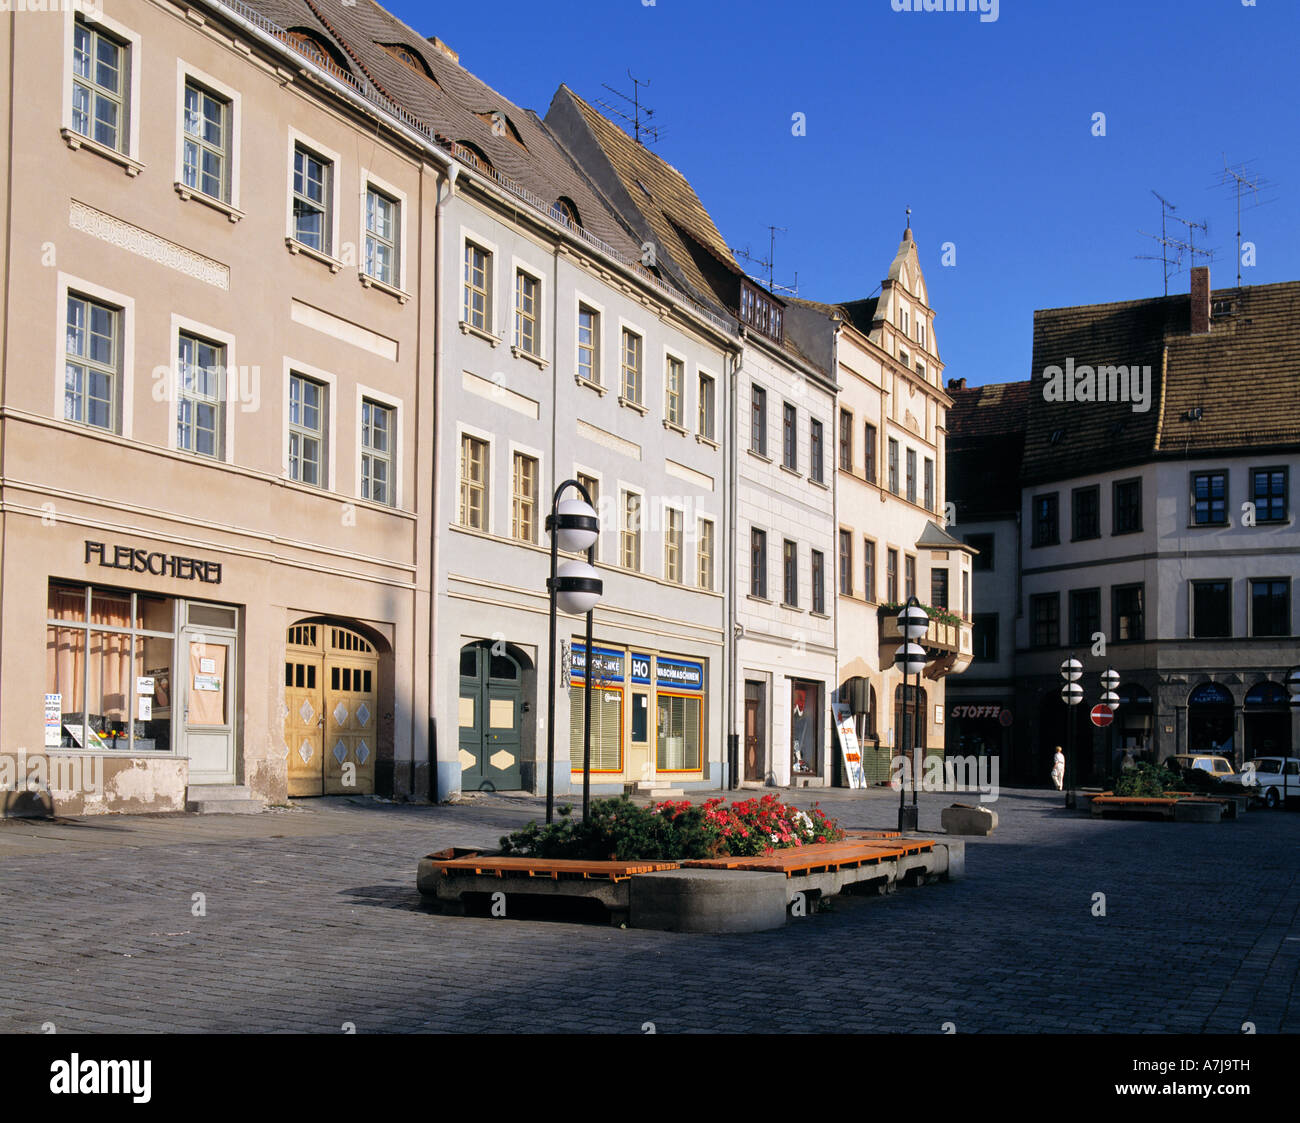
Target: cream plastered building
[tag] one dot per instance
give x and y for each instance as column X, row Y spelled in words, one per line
column 889, row 453
column 216, row 416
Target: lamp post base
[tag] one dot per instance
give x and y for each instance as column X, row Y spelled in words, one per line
column 1070, row 800
column 907, row 817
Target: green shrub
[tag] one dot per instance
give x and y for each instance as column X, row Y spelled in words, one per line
column 1147, row 780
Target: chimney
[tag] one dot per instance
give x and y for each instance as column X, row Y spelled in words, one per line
column 956, row 384
column 446, row 50
column 1201, row 300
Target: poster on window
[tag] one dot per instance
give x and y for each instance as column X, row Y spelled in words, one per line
column 207, row 700
column 53, row 720
column 850, row 751
column 804, row 720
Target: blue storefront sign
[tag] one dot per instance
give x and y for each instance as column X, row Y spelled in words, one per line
column 607, row 664
column 678, row 674
column 640, row 669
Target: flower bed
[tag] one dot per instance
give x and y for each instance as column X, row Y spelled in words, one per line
column 621, row 830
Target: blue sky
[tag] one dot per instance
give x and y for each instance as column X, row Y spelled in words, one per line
column 983, row 128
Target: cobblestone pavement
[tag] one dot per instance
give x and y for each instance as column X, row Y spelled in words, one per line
column 312, row 920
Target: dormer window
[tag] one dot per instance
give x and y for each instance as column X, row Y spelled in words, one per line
column 761, row 312
column 502, row 126
column 314, row 46
column 566, row 211
column 409, row 57
column 474, row 156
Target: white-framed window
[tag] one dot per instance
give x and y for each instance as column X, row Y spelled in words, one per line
column 705, row 552
column 525, row 483
column 708, row 406
column 200, row 395
column 92, row 389
column 674, row 545
column 313, row 213
column 588, row 344
column 378, row 451
column 528, row 291
column 101, row 100
column 205, row 149
column 308, row 429
column 674, row 390
column 921, row 331
column 383, row 234
column 475, row 455
column 478, row 287
column 591, row 481
column 630, row 503
column 632, row 350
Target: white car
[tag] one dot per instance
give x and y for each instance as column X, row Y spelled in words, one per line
column 1265, row 778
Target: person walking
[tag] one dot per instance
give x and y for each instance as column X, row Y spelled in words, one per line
column 1058, row 769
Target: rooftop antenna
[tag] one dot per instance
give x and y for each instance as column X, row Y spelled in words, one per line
column 1167, row 243
column 1240, row 180
column 639, row 125
column 1166, row 209
column 769, row 263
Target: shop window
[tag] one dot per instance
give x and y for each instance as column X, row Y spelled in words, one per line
column 679, row 734
column 108, row 669
column 606, row 729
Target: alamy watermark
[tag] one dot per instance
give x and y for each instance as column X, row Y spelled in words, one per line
column 59, row 775
column 949, row 774
column 1083, row 383
column 987, row 9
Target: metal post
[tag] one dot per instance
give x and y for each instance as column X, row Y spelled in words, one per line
column 586, row 719
column 916, row 737
column 550, row 691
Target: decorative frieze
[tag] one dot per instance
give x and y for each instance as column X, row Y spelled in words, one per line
column 148, row 245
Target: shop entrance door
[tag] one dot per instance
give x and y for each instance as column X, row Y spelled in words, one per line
column 491, row 718
column 208, row 705
column 330, row 692
column 755, row 747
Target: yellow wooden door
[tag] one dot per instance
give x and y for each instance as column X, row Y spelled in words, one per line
column 350, row 675
column 304, row 720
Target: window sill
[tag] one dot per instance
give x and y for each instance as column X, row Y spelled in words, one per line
column 819, row 483
column 188, row 194
column 702, row 439
column 792, row 471
column 760, row 456
column 673, row 427
column 1122, row 533
column 536, row 360
column 590, row 385
column 1225, row 525
column 75, row 140
column 1085, row 538
column 470, row 329
column 642, row 410
column 791, row 607
column 761, row 600
column 383, row 286
column 297, row 247
column 819, row 615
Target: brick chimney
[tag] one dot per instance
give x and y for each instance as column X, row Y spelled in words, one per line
column 1201, row 300
column 956, row 384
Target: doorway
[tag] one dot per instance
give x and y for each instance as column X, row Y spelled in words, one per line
column 755, row 732
column 207, row 696
column 491, row 717
column 331, row 678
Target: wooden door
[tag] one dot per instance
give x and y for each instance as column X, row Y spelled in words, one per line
column 755, row 754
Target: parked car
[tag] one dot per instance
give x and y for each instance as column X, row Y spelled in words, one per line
column 1265, row 778
column 1219, row 766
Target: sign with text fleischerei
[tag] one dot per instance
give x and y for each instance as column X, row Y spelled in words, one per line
column 850, row 750
column 154, row 562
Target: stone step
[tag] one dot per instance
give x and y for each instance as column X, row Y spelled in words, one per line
column 222, row 799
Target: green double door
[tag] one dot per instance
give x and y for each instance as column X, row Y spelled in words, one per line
column 491, row 717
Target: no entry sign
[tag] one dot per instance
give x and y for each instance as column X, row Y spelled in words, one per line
column 1102, row 716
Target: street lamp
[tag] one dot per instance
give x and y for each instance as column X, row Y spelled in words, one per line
column 1071, row 695
column 1293, row 685
column 1110, row 680
column 574, row 588
column 910, row 658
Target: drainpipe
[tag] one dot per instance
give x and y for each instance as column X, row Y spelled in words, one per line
column 556, row 474
column 734, row 749
column 435, row 473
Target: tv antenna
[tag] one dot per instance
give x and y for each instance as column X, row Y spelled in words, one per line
column 769, row 263
column 1178, row 246
column 1241, row 180
column 640, row 119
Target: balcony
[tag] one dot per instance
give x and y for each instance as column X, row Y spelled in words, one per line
column 948, row 640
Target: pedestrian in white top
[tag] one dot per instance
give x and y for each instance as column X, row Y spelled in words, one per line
column 1058, row 768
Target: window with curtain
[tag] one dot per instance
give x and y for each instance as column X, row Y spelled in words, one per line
column 606, row 729
column 679, row 734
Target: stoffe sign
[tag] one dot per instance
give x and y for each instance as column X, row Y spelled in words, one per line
column 1102, row 716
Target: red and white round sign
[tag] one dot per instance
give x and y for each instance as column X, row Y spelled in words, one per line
column 1102, row 716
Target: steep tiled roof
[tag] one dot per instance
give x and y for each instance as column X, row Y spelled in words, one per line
column 1237, row 375
column 986, row 435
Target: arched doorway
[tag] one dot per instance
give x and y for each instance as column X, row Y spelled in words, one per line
column 491, row 715
column 1267, row 720
column 1210, row 719
column 331, row 690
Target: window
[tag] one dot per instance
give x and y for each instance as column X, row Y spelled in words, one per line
column 1046, row 520
column 377, row 483
column 672, row 545
column 593, row 489
column 758, row 420
column 939, row 588
column 98, row 644
column 909, row 576
column 846, row 563
column 891, row 577
column 704, row 553
column 99, row 87
column 473, row 483
column 790, row 574
column 707, row 411
column 631, row 532
column 200, row 396
column 929, row 484
column 205, row 151
column 846, row 441
column 1085, row 615
column 789, row 437
column 920, row 368
column 1270, row 608
column 760, row 312
column 606, row 727
column 1209, row 498
column 631, row 366
column 1268, row 487
column 965, row 594
column 92, row 369
column 1086, row 513
column 1211, row 609
column 903, row 321
column 1127, row 608
column 526, row 337
column 307, row 405
column 588, row 344
column 869, row 569
column 312, row 190
column 1127, row 507
column 818, row 582
column 984, row 544
column 869, row 448
column 921, row 331
column 758, row 564
column 984, row 637
column 893, row 465
column 904, row 358
column 523, row 505
column 678, row 742
column 817, row 456
column 478, row 278
column 911, row 475
column 1044, row 620
column 383, row 228
column 674, row 377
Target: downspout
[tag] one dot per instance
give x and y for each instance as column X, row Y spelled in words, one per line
column 435, row 473
column 734, row 749
column 556, row 474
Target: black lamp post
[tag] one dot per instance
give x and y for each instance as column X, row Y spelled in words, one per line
column 1071, row 695
column 1293, row 685
column 910, row 658
column 1110, row 680
column 574, row 587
